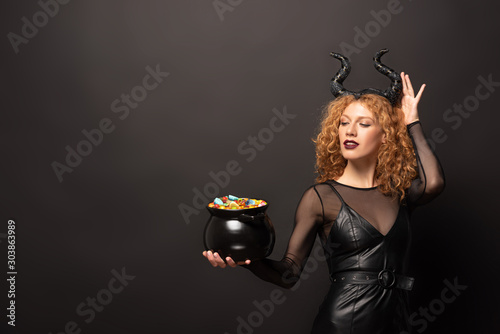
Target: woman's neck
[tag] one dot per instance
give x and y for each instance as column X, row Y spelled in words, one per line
column 358, row 174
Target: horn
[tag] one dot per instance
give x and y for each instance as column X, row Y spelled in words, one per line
column 394, row 91
column 336, row 86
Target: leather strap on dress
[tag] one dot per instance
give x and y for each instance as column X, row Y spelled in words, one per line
column 336, row 192
column 386, row 278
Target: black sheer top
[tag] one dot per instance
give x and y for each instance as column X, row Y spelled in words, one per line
column 319, row 208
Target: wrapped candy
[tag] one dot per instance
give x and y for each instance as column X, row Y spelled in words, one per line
column 231, row 202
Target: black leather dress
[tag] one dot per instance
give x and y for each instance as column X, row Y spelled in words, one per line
column 363, row 233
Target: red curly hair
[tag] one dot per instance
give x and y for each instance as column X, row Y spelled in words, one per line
column 396, row 162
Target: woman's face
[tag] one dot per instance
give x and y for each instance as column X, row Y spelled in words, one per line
column 359, row 133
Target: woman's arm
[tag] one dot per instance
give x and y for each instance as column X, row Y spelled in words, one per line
column 430, row 181
column 308, row 218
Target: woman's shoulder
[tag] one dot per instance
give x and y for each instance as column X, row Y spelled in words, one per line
column 321, row 185
column 328, row 185
column 321, row 189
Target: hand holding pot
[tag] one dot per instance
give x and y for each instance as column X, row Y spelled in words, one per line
column 215, row 260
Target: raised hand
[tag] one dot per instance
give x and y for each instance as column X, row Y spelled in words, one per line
column 216, row 261
column 409, row 101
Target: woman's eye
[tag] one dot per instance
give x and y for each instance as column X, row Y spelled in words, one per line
column 365, row 125
column 343, row 123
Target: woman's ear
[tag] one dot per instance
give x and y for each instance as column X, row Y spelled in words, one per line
column 383, row 138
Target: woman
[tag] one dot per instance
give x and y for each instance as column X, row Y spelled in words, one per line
column 374, row 167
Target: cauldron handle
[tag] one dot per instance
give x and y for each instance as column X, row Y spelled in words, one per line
column 244, row 218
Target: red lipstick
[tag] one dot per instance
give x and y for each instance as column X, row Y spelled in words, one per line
column 350, row 144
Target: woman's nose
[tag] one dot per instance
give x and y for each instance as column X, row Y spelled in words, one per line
column 351, row 130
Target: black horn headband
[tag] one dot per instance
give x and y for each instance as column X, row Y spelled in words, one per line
column 392, row 93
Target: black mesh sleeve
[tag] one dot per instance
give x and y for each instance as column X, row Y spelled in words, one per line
column 430, row 181
column 286, row 272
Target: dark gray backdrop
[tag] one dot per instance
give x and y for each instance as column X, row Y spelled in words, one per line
column 230, row 64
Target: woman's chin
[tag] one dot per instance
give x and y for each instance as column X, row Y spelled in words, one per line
column 350, row 155
column 356, row 157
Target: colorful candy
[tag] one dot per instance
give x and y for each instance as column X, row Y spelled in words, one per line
column 231, row 202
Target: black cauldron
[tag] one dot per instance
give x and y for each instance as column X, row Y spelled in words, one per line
column 241, row 234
